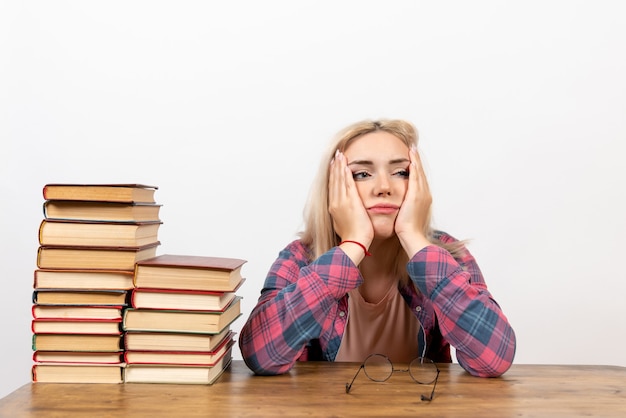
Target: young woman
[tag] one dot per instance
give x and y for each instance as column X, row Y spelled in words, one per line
column 370, row 275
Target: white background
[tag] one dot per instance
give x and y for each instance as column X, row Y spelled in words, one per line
column 227, row 107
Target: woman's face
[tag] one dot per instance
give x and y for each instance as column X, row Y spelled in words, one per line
column 379, row 162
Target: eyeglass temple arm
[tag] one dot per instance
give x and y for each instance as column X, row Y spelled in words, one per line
column 432, row 394
column 349, row 385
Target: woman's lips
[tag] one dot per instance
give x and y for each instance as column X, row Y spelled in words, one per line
column 383, row 209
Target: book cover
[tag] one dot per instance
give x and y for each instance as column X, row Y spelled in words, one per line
column 97, row 234
column 100, row 211
column 187, row 272
column 182, row 358
column 82, row 357
column 128, row 193
column 76, row 312
column 180, row 299
column 174, row 341
column 77, row 373
column 181, row 321
column 76, row 326
column 83, row 279
column 62, row 297
column 76, row 342
column 97, row 258
column 175, row 374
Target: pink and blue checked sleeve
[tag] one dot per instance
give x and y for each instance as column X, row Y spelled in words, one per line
column 297, row 304
column 469, row 318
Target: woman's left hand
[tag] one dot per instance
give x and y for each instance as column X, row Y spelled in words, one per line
column 414, row 215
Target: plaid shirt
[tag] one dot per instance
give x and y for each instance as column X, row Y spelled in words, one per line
column 303, row 310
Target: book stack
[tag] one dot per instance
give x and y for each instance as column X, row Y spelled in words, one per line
column 90, row 239
column 178, row 327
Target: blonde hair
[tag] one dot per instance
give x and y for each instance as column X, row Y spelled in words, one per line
column 319, row 234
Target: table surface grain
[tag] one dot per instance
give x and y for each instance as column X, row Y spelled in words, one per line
column 318, row 389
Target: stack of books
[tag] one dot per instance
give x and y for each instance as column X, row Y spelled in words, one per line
column 178, row 327
column 90, row 239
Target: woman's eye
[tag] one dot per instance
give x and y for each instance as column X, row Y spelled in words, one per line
column 360, row 175
column 402, row 173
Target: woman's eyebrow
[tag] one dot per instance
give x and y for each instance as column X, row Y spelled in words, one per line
column 369, row 162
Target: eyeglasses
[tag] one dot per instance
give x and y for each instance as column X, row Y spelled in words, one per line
column 379, row 368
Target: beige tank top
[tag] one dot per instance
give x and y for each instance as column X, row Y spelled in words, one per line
column 387, row 327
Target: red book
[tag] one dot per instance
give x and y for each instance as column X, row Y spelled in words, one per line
column 75, row 312
column 187, row 272
column 77, row 326
column 191, row 300
column 187, row 358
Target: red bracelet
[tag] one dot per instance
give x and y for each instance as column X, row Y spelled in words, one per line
column 367, row 253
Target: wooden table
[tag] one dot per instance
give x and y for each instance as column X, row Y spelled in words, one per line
column 318, row 389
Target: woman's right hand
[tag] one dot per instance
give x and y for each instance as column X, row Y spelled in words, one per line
column 350, row 219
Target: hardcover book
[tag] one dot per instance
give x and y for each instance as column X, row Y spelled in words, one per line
column 183, row 358
column 83, row 279
column 97, row 258
column 76, row 326
column 76, row 312
column 100, row 211
column 187, row 272
column 210, row 322
column 174, row 341
column 180, row 299
column 76, row 342
column 87, row 357
column 98, row 234
column 78, row 373
column 153, row 373
column 80, row 297
column 127, row 193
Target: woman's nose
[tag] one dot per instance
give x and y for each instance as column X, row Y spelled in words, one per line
column 382, row 186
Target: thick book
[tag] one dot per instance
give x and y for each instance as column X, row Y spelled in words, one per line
column 210, row 322
column 188, row 272
column 83, row 279
column 83, row 357
column 100, row 211
column 76, row 312
column 77, row 373
column 97, row 258
column 180, row 299
column 80, row 297
column 98, row 234
column 76, row 342
column 127, row 193
column 176, row 374
column 174, row 341
column 183, row 358
column 76, row 326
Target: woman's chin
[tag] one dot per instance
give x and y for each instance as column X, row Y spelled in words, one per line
column 384, row 233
